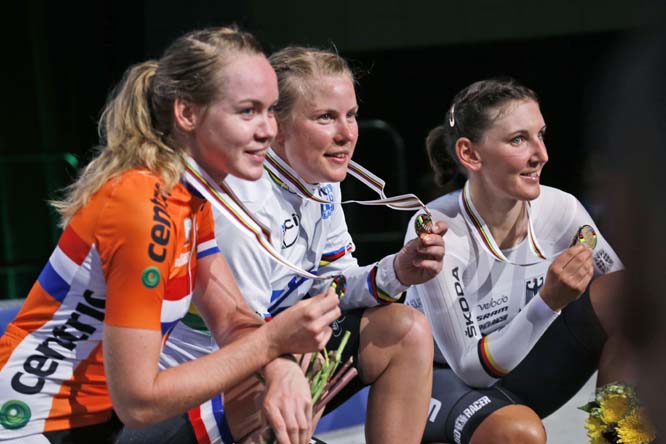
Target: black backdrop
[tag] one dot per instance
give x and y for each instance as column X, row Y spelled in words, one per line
column 60, row 60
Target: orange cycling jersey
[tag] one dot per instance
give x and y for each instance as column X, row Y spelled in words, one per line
column 128, row 259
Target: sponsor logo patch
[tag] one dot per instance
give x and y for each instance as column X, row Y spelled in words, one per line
column 466, row 414
column 326, row 192
column 470, row 328
column 532, row 287
column 603, row 261
column 150, row 277
column 82, row 323
column 14, row 414
column 290, row 229
column 493, row 303
column 433, row 410
column 160, row 232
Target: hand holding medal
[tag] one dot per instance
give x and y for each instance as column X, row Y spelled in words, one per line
column 571, row 272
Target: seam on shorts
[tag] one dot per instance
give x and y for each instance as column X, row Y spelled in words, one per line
column 505, row 393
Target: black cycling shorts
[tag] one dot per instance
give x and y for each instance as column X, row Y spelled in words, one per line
column 349, row 321
column 105, row 432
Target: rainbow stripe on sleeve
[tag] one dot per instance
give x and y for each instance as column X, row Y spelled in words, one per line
column 333, row 256
column 375, row 291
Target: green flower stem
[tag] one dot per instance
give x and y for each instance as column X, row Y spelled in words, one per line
column 319, row 380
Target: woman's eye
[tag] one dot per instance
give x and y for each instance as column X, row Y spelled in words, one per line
column 517, row 140
column 247, row 111
column 325, row 117
column 352, row 115
column 542, row 135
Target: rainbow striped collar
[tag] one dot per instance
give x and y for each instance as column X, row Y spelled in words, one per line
column 227, row 203
column 484, row 237
column 286, row 177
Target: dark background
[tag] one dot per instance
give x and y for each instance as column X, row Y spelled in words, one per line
column 60, row 60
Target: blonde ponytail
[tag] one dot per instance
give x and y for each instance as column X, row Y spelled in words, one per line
column 136, row 125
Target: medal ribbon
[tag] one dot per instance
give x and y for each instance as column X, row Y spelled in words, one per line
column 484, row 236
column 285, row 177
column 223, row 199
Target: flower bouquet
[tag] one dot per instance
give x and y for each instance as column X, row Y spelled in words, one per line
column 616, row 416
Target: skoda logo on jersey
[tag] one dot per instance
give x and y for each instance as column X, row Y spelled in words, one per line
column 14, row 414
column 290, row 231
column 326, row 192
column 532, row 287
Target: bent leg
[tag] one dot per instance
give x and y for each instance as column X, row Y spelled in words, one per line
column 396, row 353
column 513, row 424
column 460, row 414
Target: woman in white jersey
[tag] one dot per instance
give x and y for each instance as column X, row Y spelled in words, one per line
column 518, row 326
column 391, row 343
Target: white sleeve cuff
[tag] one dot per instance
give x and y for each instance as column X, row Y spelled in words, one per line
column 539, row 310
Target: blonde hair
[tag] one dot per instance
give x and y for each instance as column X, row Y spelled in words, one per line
column 136, row 125
column 295, row 66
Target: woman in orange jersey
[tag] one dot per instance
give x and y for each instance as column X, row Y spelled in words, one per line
column 138, row 245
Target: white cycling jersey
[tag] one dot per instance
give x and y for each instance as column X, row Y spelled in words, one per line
column 311, row 235
column 487, row 314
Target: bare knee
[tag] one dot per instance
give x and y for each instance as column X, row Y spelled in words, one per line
column 398, row 324
column 513, row 424
column 395, row 336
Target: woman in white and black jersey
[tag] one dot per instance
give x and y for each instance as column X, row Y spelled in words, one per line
column 521, row 313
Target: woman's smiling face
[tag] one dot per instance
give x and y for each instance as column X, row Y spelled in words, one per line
column 513, row 151
column 318, row 137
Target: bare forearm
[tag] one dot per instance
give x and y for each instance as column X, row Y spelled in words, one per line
column 171, row 392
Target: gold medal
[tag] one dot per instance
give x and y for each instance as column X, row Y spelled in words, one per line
column 586, row 236
column 423, row 224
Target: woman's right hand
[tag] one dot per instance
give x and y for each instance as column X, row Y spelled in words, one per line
column 568, row 277
column 305, row 326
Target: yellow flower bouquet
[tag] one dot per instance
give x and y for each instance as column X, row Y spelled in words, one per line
column 616, row 416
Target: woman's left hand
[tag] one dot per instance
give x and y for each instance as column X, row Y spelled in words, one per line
column 287, row 403
column 420, row 259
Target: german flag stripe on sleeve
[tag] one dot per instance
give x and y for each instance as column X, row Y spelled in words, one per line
column 487, row 361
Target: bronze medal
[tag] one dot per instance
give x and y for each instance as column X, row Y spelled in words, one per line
column 586, row 236
column 423, row 224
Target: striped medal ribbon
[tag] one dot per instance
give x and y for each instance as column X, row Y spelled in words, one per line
column 223, row 199
column 284, row 175
column 485, row 238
